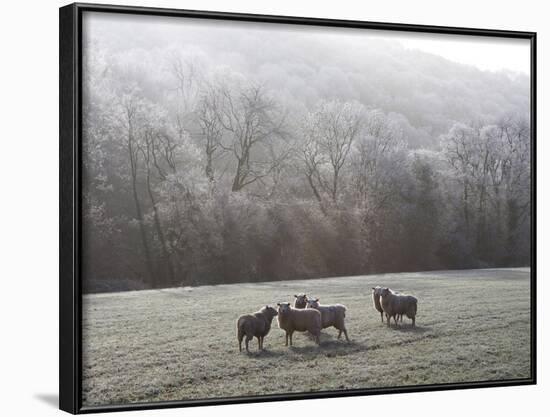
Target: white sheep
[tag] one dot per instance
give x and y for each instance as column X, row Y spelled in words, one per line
column 292, row 319
column 255, row 325
column 376, row 300
column 376, row 291
column 395, row 304
column 331, row 315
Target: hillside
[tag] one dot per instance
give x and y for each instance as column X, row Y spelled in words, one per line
column 305, row 65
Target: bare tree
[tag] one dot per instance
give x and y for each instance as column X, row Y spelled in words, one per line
column 508, row 144
column 212, row 129
column 131, row 106
column 378, row 173
column 252, row 121
column 491, row 163
column 458, row 151
column 376, row 159
column 329, row 132
column 187, row 75
column 153, row 142
column 314, row 160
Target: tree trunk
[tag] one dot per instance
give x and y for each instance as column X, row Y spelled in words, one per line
column 466, row 211
column 238, row 180
column 335, row 186
column 209, row 170
column 139, row 213
column 316, row 193
column 160, row 233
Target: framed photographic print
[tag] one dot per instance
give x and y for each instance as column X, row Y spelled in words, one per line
column 259, row 208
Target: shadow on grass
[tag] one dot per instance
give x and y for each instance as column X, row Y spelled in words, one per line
column 409, row 329
column 330, row 348
column 266, row 353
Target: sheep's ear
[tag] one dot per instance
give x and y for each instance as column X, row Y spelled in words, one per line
column 266, row 306
column 279, row 304
column 316, row 300
column 373, row 288
column 295, row 296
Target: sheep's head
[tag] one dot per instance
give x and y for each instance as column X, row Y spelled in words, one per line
column 269, row 311
column 312, row 303
column 301, row 300
column 377, row 290
column 384, row 292
column 283, row 308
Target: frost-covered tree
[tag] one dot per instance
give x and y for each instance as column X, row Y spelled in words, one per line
column 329, row 132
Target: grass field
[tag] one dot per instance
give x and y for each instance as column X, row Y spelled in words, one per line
column 180, row 343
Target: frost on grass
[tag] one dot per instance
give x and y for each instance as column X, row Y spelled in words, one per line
column 179, row 344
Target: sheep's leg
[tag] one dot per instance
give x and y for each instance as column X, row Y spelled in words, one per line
column 345, row 333
column 240, row 336
column 286, row 339
column 382, row 316
column 248, row 339
column 290, row 338
column 388, row 319
column 339, row 333
column 395, row 319
column 259, row 343
column 316, row 337
column 414, row 321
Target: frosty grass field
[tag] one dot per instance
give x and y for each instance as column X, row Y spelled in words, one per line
column 180, row 343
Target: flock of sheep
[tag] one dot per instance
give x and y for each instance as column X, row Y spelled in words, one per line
column 307, row 315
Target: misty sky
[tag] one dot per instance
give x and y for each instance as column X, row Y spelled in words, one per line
column 485, row 53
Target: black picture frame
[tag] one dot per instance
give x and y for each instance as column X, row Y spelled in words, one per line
column 70, row 231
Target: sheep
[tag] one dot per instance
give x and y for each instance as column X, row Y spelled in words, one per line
column 294, row 319
column 395, row 304
column 255, row 325
column 300, row 301
column 331, row 315
column 376, row 300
